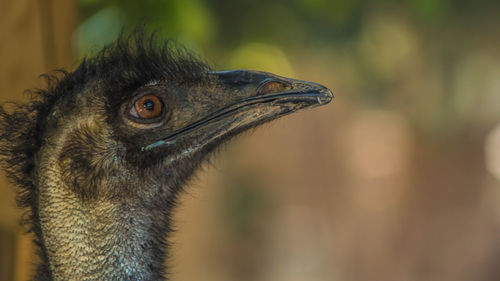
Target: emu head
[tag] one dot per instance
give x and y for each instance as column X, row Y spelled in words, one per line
column 102, row 153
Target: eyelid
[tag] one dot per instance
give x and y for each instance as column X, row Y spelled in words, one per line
column 133, row 111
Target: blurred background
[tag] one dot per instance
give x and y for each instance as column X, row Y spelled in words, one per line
column 397, row 179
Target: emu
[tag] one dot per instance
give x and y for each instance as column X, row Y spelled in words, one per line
column 101, row 154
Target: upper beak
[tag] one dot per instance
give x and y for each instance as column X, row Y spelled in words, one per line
column 263, row 85
column 254, row 97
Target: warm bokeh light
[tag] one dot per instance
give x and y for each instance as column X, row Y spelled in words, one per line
column 378, row 144
column 492, row 151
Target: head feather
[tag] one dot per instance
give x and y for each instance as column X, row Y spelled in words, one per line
column 135, row 59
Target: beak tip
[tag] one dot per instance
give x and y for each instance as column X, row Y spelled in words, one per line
column 325, row 97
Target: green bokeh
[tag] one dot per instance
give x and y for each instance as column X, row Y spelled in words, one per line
column 379, row 46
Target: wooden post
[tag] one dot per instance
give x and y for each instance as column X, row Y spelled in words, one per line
column 36, row 38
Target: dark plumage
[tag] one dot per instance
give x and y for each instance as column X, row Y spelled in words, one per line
column 100, row 155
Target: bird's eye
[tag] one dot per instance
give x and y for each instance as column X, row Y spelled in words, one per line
column 147, row 107
column 272, row 86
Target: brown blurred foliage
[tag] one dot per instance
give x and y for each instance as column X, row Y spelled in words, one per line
column 398, row 179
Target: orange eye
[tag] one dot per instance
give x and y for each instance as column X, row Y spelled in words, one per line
column 147, row 107
column 272, row 87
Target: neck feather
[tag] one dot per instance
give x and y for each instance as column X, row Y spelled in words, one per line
column 100, row 240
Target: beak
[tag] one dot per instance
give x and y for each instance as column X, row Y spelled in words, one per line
column 264, row 86
column 254, row 97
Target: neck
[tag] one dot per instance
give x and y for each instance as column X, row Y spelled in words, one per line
column 93, row 224
column 99, row 241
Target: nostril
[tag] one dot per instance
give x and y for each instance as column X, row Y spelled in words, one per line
column 272, row 86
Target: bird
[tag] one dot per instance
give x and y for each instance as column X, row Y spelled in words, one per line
column 100, row 156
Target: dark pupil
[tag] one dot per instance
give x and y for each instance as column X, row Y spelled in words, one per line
column 148, row 105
